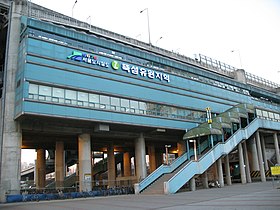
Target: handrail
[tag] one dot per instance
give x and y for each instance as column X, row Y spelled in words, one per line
column 163, row 169
column 198, row 167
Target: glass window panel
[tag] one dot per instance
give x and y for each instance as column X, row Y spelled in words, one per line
column 265, row 114
column 258, row 112
column 115, row 101
column 134, row 104
column 124, row 103
column 58, row 92
column 45, row 90
column 277, row 116
column 82, row 96
column 104, row 100
column 94, row 98
column 71, row 94
column 271, row 115
column 143, row 105
column 33, row 89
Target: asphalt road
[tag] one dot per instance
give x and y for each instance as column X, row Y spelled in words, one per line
column 254, row 196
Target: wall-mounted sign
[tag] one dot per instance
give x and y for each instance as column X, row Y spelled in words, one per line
column 143, row 72
column 87, row 58
column 116, row 65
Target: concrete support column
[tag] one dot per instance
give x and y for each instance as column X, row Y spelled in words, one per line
column 240, row 75
column 181, row 146
column 152, row 157
column 140, row 157
column 254, row 155
column 126, row 164
column 266, row 168
column 241, row 164
column 205, row 180
column 260, row 157
column 10, row 131
column 59, row 165
column 41, row 169
column 220, row 172
column 84, row 152
column 192, row 184
column 158, row 159
column 111, row 165
column 276, row 145
column 227, row 171
column 247, row 164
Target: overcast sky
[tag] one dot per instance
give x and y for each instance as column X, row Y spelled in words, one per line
column 211, row 27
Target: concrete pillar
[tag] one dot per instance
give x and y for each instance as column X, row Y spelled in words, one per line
column 111, row 165
column 205, row 180
column 276, row 145
column 126, row 164
column 192, row 184
column 240, row 75
column 159, row 159
column 181, row 145
column 254, row 155
column 227, row 171
column 59, row 164
column 41, row 169
column 260, row 157
column 84, row 153
column 10, row 131
column 266, row 168
column 220, row 172
column 241, row 164
column 247, row 164
column 152, row 157
column 140, row 158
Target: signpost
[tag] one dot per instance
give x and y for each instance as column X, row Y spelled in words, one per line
column 275, row 170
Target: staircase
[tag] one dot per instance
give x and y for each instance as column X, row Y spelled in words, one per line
column 169, row 179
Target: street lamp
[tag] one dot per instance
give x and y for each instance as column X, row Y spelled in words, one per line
column 238, row 51
column 166, row 153
column 148, row 23
column 159, row 39
column 89, row 18
column 194, row 148
column 73, row 7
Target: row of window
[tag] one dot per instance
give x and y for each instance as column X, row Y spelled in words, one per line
column 268, row 115
column 98, row 101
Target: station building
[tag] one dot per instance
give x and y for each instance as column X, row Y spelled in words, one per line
column 78, row 91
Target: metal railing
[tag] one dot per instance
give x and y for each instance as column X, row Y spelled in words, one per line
column 256, row 80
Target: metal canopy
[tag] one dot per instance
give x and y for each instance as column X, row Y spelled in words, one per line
column 201, row 131
column 240, row 111
column 224, row 121
column 248, row 107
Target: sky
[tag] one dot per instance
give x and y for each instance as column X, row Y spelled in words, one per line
column 241, row 33
column 215, row 28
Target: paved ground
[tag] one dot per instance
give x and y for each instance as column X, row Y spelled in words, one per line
column 255, row 196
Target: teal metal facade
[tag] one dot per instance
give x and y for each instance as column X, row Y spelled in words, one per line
column 70, row 74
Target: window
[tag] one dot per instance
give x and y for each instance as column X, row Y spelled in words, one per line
column 45, row 90
column 58, row 92
column 82, row 96
column 33, row 89
column 71, row 94
column 104, row 102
